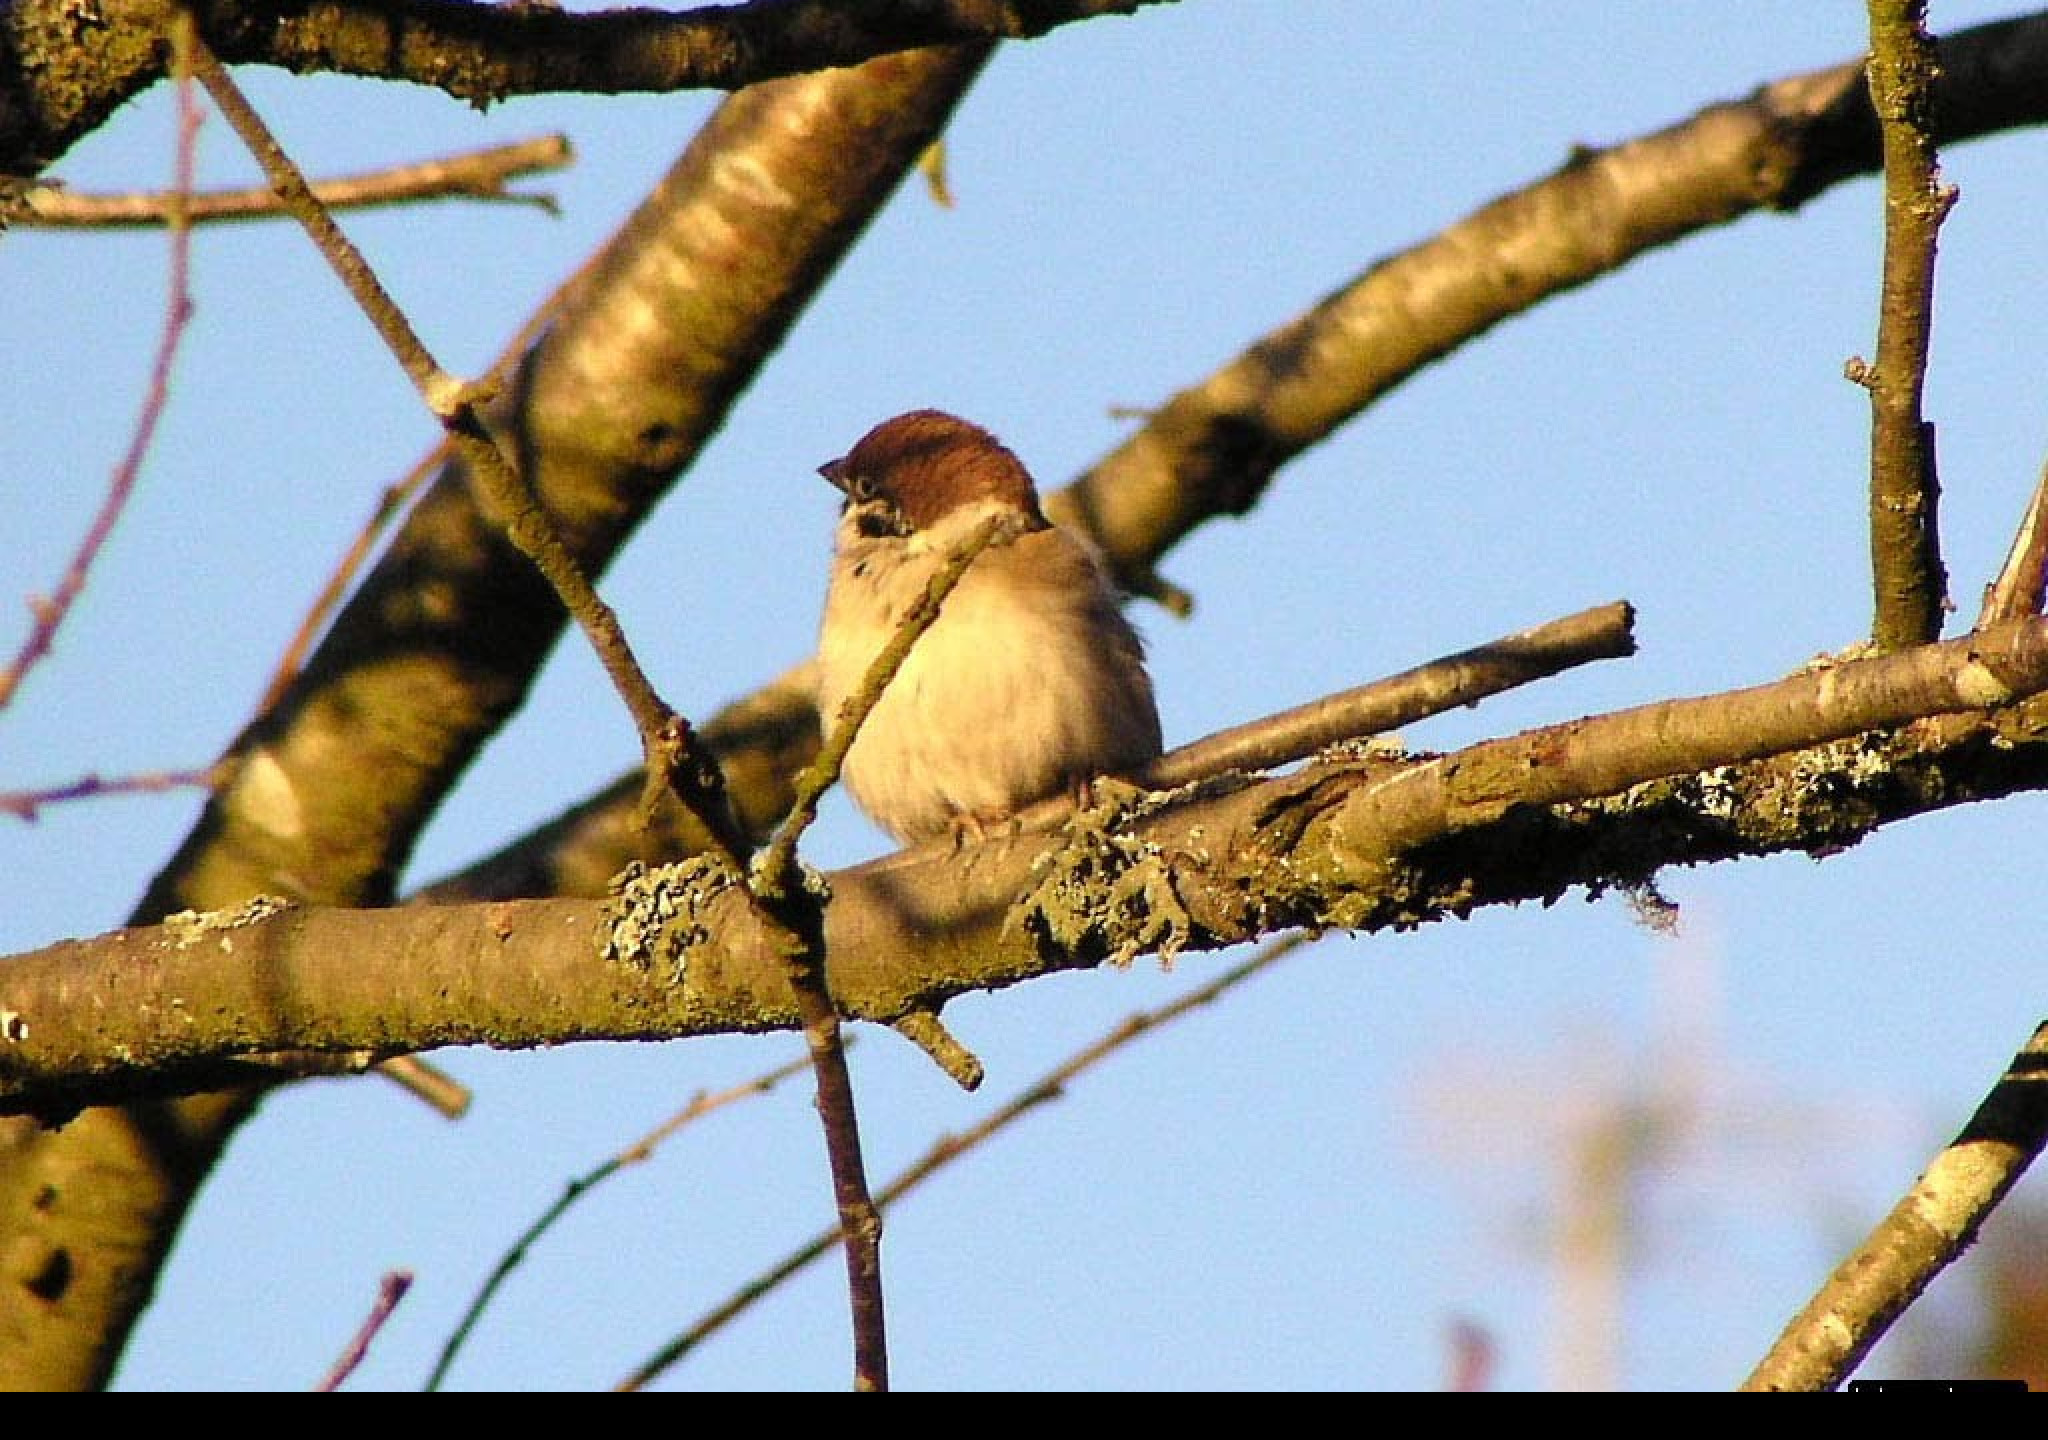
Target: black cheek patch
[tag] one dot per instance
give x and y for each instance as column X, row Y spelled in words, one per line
column 874, row 522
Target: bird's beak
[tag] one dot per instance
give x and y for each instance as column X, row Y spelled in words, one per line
column 835, row 471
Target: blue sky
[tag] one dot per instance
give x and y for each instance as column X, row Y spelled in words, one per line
column 1305, row 1186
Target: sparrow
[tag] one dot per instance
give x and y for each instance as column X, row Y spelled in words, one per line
column 1031, row 681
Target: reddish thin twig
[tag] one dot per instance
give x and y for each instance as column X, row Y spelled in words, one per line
column 641, row 1149
column 1473, row 1357
column 25, row 804
column 335, row 590
column 799, row 912
column 390, row 1291
column 48, row 612
column 948, row 1148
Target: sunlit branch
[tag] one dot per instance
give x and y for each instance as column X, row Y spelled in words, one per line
column 1905, row 541
column 474, row 175
column 1925, row 1231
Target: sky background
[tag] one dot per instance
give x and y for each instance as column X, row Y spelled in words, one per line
column 1313, row 1183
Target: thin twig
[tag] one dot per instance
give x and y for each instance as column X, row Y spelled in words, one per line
column 395, row 496
column 1925, row 1231
column 444, row 393
column 1449, row 682
column 390, row 1291
column 2023, row 580
column 336, row 589
column 472, row 175
column 773, row 865
column 948, row 1148
column 27, row 804
column 642, row 1149
column 450, row 400
column 1905, row 540
column 442, row 1093
column 673, row 757
column 799, row 912
column 860, row 1219
column 1606, row 632
column 48, row 612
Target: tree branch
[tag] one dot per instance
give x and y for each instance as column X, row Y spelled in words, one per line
column 1931, row 1227
column 786, row 900
column 1211, row 449
column 476, row 175
column 390, row 1291
column 48, row 612
column 1812, row 762
column 775, row 867
column 578, row 853
column 1606, row 632
column 68, row 75
column 27, row 804
column 2022, row 581
column 1905, row 538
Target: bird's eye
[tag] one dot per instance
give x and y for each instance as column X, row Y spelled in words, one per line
column 859, row 487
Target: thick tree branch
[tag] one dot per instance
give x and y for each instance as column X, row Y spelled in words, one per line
column 64, row 67
column 1211, row 449
column 1811, row 762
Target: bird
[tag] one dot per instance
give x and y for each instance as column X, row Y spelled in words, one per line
column 1030, row 682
